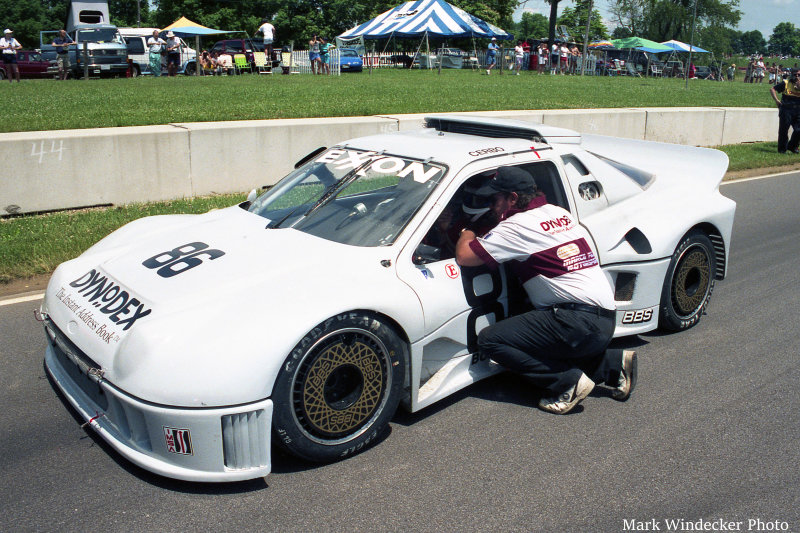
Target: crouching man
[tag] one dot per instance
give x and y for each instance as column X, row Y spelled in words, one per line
column 560, row 346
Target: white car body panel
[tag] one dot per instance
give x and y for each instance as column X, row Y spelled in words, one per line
column 208, row 343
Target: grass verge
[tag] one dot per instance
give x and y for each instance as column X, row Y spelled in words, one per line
column 37, row 244
column 36, row 105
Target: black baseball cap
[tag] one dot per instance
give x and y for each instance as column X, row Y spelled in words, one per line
column 508, row 179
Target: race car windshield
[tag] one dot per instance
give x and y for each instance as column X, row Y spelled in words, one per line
column 350, row 196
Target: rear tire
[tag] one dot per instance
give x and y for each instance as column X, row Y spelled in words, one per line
column 689, row 283
column 339, row 387
column 189, row 71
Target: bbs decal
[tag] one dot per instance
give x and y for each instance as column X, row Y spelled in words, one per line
column 637, row 317
column 173, row 262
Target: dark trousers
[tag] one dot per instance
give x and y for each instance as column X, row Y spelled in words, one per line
column 552, row 347
column 788, row 116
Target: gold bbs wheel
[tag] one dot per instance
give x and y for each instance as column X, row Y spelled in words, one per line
column 689, row 283
column 692, row 280
column 341, row 385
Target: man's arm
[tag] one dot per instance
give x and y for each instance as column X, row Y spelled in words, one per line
column 464, row 254
column 775, row 96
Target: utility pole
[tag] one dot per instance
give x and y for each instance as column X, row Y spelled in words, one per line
column 138, row 14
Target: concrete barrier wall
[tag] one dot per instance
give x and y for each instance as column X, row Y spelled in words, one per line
column 74, row 168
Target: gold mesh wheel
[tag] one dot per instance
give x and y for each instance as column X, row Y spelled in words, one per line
column 691, row 282
column 340, row 386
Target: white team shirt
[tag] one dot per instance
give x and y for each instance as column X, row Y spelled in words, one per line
column 550, row 254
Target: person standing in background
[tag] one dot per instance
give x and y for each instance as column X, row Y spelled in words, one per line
column 9, row 45
column 155, row 47
column 268, row 31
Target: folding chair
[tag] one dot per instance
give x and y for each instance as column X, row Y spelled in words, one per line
column 260, row 63
column 226, row 62
column 241, row 64
column 632, row 70
column 656, row 70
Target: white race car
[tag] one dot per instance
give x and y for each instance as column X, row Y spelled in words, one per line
column 305, row 315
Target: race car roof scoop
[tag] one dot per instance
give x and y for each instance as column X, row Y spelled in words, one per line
column 503, row 128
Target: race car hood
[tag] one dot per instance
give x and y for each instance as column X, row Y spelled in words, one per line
column 183, row 310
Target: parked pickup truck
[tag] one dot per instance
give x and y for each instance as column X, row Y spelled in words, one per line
column 107, row 54
column 31, row 65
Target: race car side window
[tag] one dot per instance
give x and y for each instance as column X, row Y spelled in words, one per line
column 548, row 180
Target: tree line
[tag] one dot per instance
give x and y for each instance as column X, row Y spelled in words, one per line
column 298, row 20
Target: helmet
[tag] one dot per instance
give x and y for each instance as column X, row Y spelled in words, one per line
column 472, row 204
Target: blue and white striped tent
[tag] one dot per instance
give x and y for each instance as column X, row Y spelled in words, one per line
column 432, row 17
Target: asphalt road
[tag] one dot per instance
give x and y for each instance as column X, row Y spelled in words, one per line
column 712, row 432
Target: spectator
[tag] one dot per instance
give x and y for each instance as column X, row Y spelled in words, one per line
column 554, row 55
column 564, row 65
column 542, row 54
column 173, row 54
column 61, row 44
column 313, row 55
column 10, row 45
column 760, row 68
column 207, row 63
column 732, row 72
column 575, row 54
column 324, row 55
column 519, row 54
column 155, row 46
column 526, row 54
column 692, row 71
column 491, row 55
column 268, row 31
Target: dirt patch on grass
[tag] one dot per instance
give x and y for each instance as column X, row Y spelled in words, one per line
column 19, row 286
column 764, row 171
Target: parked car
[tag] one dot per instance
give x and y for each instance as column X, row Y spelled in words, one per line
column 136, row 40
column 350, row 61
column 305, row 315
column 31, row 65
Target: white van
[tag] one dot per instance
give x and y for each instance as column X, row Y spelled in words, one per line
column 136, row 39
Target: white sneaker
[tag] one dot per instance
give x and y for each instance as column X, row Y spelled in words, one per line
column 488, row 72
column 564, row 402
column 627, row 378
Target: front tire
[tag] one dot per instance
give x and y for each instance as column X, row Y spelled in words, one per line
column 338, row 389
column 689, row 283
column 189, row 71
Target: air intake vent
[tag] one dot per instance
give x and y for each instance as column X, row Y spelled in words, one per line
column 483, row 130
column 244, row 440
column 719, row 255
column 624, row 287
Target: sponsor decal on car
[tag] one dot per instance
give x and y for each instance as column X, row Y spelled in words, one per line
column 451, row 270
column 484, row 151
column 637, row 316
column 349, row 159
column 99, row 299
column 178, row 440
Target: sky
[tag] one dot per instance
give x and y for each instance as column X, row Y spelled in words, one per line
column 761, row 15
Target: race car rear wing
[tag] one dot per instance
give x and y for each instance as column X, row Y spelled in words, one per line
column 503, row 128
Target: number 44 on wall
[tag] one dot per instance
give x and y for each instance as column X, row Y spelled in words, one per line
column 53, row 150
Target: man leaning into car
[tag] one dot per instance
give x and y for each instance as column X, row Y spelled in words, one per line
column 560, row 346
